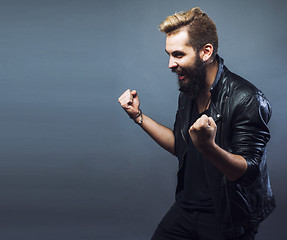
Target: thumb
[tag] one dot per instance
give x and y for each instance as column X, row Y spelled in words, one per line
column 211, row 122
column 134, row 94
column 191, row 129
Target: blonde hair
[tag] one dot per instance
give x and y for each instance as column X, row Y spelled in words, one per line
column 200, row 27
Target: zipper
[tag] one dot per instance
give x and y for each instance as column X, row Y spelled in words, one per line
column 184, row 139
column 224, row 178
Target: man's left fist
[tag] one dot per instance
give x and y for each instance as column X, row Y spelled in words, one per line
column 202, row 133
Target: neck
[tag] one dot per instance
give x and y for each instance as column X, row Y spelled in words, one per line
column 204, row 95
column 211, row 71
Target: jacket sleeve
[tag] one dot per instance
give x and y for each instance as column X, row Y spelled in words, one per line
column 250, row 132
column 176, row 128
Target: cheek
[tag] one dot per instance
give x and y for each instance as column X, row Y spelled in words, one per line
column 183, row 63
column 187, row 63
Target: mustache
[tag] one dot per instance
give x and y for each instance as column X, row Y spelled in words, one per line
column 178, row 70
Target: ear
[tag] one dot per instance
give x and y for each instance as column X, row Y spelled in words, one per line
column 206, row 52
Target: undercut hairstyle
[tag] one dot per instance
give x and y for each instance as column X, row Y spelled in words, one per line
column 201, row 29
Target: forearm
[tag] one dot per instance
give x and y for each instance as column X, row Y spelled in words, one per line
column 162, row 135
column 202, row 133
column 231, row 165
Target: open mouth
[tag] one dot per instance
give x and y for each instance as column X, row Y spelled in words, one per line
column 181, row 76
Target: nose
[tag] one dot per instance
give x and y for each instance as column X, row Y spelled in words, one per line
column 172, row 63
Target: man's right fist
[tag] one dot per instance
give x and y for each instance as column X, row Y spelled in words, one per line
column 129, row 101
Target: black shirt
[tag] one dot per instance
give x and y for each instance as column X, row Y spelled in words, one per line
column 195, row 193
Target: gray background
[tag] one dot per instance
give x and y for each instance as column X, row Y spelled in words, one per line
column 73, row 166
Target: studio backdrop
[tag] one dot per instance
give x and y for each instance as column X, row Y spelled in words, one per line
column 73, row 165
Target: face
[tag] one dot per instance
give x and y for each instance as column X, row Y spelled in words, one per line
column 186, row 63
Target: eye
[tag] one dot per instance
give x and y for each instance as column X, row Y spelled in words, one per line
column 178, row 54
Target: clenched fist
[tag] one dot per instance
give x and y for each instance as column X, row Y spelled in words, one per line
column 203, row 133
column 129, row 101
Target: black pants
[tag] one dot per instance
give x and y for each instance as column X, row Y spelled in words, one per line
column 182, row 224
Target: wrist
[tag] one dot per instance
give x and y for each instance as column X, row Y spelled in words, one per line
column 138, row 117
column 209, row 149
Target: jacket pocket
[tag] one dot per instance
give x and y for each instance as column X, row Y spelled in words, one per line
column 242, row 201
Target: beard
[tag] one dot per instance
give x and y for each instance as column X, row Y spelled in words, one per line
column 194, row 79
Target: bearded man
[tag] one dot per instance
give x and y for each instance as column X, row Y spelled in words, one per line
column 219, row 137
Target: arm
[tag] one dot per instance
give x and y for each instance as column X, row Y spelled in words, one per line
column 202, row 133
column 164, row 136
column 250, row 135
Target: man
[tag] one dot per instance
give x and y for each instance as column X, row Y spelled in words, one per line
column 219, row 138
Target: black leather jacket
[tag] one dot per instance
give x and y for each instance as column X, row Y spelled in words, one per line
column 241, row 113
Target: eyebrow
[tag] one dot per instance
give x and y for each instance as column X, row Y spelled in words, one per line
column 174, row 52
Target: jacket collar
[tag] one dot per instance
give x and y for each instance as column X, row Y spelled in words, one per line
column 186, row 101
column 215, row 113
column 219, row 72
